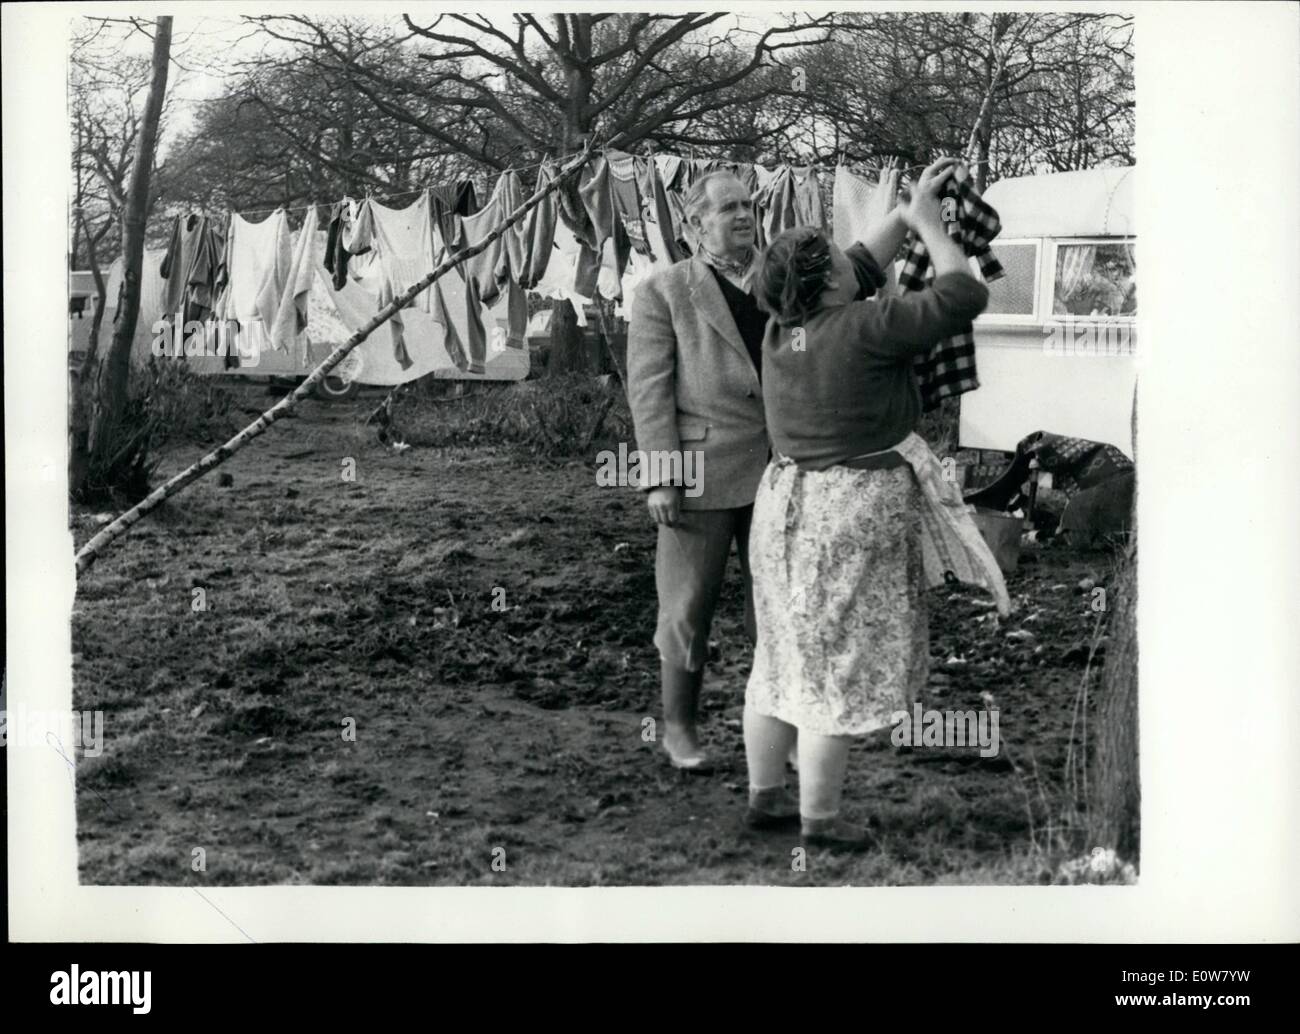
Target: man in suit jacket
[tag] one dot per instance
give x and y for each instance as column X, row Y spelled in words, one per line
column 694, row 358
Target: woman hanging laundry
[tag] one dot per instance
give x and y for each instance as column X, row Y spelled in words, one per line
column 851, row 519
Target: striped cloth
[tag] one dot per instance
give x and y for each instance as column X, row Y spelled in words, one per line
column 949, row 369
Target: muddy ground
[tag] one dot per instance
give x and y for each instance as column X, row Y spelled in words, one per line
column 328, row 603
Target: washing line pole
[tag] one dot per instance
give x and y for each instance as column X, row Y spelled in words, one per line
column 92, row 550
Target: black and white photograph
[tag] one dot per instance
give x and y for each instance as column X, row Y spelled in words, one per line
column 581, row 449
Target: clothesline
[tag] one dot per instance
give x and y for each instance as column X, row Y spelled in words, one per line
column 820, row 167
column 414, row 190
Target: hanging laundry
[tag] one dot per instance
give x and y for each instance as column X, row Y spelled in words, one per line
column 175, row 267
column 672, row 170
column 774, row 206
column 610, row 272
column 626, row 178
column 359, row 235
column 656, row 216
column 807, row 197
column 291, row 313
column 597, row 202
column 189, row 268
column 512, row 264
column 572, row 208
column 454, row 295
column 626, row 197
column 567, row 267
column 540, row 233
column 508, row 319
column 745, row 173
column 336, row 254
column 504, row 257
column 598, row 198
column 851, row 201
column 449, row 200
column 639, row 268
column 258, row 257
column 674, row 174
column 206, row 271
column 151, row 308
column 403, row 242
column 437, row 342
column 949, row 369
column 850, row 207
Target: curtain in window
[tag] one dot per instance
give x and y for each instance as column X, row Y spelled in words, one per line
column 1073, row 269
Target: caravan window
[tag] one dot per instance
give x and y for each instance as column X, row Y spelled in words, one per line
column 1095, row 278
column 1013, row 294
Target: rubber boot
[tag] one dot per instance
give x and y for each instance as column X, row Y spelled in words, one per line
column 681, row 698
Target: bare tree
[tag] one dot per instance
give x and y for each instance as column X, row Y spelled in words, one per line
column 1012, row 92
column 502, row 93
column 105, row 378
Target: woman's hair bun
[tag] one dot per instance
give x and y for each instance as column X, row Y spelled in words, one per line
column 793, row 272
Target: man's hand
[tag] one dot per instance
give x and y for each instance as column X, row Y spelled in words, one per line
column 665, row 505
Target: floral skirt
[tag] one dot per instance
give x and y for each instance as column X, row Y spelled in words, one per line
column 843, row 635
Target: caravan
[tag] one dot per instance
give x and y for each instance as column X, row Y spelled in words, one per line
column 1056, row 347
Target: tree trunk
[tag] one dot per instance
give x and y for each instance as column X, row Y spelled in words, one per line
column 566, row 351
column 980, row 131
column 112, row 372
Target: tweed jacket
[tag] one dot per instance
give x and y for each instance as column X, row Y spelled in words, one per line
column 692, row 385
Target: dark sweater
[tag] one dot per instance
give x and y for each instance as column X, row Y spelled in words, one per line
column 851, row 389
column 751, row 321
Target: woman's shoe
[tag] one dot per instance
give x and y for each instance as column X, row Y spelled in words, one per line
column 775, row 809
column 761, row 820
column 837, row 835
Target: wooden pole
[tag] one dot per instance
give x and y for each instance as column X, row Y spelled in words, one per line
column 92, row 550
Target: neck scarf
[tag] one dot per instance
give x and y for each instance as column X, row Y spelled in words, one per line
column 741, row 271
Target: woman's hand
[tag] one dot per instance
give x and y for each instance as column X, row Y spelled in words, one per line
column 923, row 206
